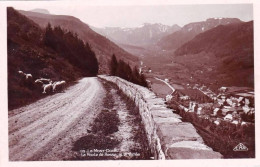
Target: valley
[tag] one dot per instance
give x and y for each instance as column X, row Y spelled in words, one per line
column 203, row 71
column 206, row 73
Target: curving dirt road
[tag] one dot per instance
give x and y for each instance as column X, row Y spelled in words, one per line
column 45, row 129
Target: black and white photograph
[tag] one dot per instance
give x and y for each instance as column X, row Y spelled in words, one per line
column 153, row 82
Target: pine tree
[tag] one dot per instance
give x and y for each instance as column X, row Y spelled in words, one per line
column 49, row 38
column 123, row 70
column 71, row 47
column 135, row 75
column 113, row 65
column 129, row 73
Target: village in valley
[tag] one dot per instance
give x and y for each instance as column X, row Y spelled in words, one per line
column 235, row 105
column 229, row 104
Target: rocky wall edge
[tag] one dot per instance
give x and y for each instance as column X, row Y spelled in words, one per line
column 168, row 136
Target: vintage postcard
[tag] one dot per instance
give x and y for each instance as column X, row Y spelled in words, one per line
column 110, row 82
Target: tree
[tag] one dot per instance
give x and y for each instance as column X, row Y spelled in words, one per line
column 113, row 65
column 129, row 72
column 68, row 45
column 135, row 75
column 49, row 38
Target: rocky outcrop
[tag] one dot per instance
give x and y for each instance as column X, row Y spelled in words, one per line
column 168, row 136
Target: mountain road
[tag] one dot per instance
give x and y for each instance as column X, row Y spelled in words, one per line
column 42, row 129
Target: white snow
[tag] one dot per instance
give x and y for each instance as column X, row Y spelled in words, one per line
column 219, row 18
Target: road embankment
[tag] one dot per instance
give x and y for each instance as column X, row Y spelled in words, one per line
column 168, row 136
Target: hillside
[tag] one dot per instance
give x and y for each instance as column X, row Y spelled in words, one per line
column 189, row 31
column 103, row 48
column 226, row 51
column 147, row 34
column 30, row 49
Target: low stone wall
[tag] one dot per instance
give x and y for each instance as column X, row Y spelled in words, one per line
column 168, row 136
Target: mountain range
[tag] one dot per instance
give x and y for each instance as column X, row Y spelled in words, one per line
column 189, row 31
column 215, row 51
column 147, row 34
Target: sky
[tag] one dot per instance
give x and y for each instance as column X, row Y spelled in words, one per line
column 134, row 16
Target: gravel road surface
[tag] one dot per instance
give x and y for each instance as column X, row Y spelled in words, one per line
column 44, row 130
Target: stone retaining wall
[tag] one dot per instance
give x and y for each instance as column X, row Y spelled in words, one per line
column 168, row 136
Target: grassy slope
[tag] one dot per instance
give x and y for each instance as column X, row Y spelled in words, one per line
column 27, row 52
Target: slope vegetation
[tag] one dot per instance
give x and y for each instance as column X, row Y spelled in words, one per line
column 226, row 51
column 30, row 49
column 103, row 47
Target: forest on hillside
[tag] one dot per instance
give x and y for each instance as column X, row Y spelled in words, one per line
column 52, row 53
column 123, row 70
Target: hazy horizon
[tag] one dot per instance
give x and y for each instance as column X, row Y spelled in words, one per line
column 135, row 16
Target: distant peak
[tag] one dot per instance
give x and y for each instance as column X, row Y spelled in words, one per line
column 221, row 18
column 43, row 11
column 217, row 18
column 176, row 25
column 151, row 24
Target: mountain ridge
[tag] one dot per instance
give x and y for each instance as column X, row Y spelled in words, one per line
column 189, row 31
column 146, row 34
column 103, row 47
column 38, row 10
column 230, row 47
